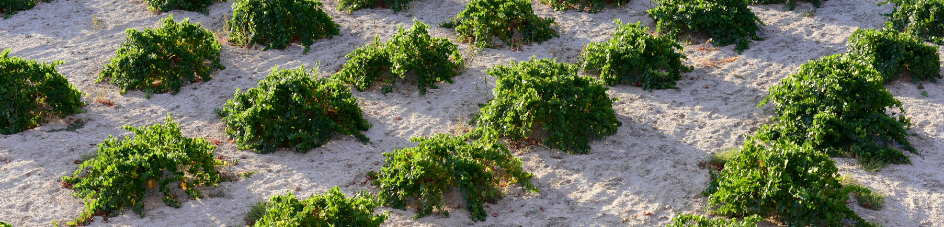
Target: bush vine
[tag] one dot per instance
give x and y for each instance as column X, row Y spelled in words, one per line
column 276, row 23
column 702, row 221
column 483, row 19
column 921, row 18
column 353, row 5
column 635, row 57
column 329, row 209
column 10, row 7
column 32, row 91
column 891, row 52
column 189, row 5
column 791, row 4
column 726, row 21
column 591, row 6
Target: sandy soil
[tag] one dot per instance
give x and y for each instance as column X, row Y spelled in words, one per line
column 649, row 166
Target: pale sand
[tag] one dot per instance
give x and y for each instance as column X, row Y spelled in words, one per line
column 649, row 166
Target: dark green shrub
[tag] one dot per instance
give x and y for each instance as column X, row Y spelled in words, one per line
column 791, row 4
column 702, row 221
column 162, row 59
column 635, row 57
column 726, row 21
column 31, row 91
column 157, row 155
column 352, row 5
column 432, row 59
column 189, row 5
column 479, row 168
column 891, row 52
column 550, row 95
column 276, row 23
column 10, row 7
column 591, row 6
column 290, row 108
column 796, row 184
column 483, row 19
column 839, row 106
column 921, row 18
column 329, row 209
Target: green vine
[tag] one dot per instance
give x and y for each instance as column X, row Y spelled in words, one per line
column 33, row 91
column 921, row 18
column 635, row 57
column 702, row 221
column 512, row 21
column 10, row 7
column 591, row 6
column 726, row 21
column 791, row 4
column 329, row 209
column 188, row 5
column 276, row 23
column 891, row 52
column 353, row 5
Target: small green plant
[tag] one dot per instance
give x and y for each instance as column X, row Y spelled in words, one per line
column 549, row 95
column 248, row 174
column 872, row 200
column 791, row 4
column 726, row 21
column 353, row 5
column 591, row 6
column 163, row 59
column 276, row 23
column 432, row 60
column 794, row 183
column 924, row 93
column 891, row 52
column 33, row 91
column 479, row 166
column 329, row 209
column 290, row 108
column 635, row 57
column 10, row 7
column 692, row 220
column 512, row 21
column 189, row 5
column 256, row 211
column 839, row 106
column 921, row 18
column 157, row 156
column 720, row 158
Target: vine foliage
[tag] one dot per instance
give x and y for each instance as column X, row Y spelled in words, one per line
column 10, row 7
column 479, row 166
column 512, row 21
column 891, row 52
column 349, row 6
column 838, row 105
column 726, row 21
column 702, row 221
column 276, row 23
column 33, row 91
column 163, row 59
column 921, row 18
column 124, row 169
column 791, row 4
column 329, row 209
column 431, row 59
column 591, row 6
column 189, row 5
column 290, row 108
column 635, row 57
column 549, row 95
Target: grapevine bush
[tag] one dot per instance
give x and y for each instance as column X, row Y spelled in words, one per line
column 478, row 166
column 702, row 221
column 31, row 91
column 544, row 93
column 290, row 108
column 839, row 106
column 921, row 18
column 189, row 5
column 591, row 6
column 352, row 5
column 276, row 23
column 483, row 19
column 432, row 60
column 726, row 21
column 157, row 156
column 329, row 209
column 163, row 59
column 795, row 183
column 635, row 57
column 10, row 7
column 891, row 52
column 791, row 4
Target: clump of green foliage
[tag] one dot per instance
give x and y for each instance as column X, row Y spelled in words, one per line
column 432, row 60
column 891, row 52
column 839, row 106
column 256, row 211
column 591, row 6
column 795, row 183
column 726, row 21
column 702, row 221
column 544, row 93
column 636, row 57
column 291, row 108
column 189, row 5
column 31, row 92
column 512, row 21
column 157, row 156
column 921, row 18
column 872, row 200
column 276, row 23
column 10, row 7
column 791, row 4
column 329, row 209
column 352, row 5
column 162, row 59
column 4, row 224
column 478, row 165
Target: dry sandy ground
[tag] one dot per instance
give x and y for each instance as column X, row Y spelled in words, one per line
column 649, row 166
